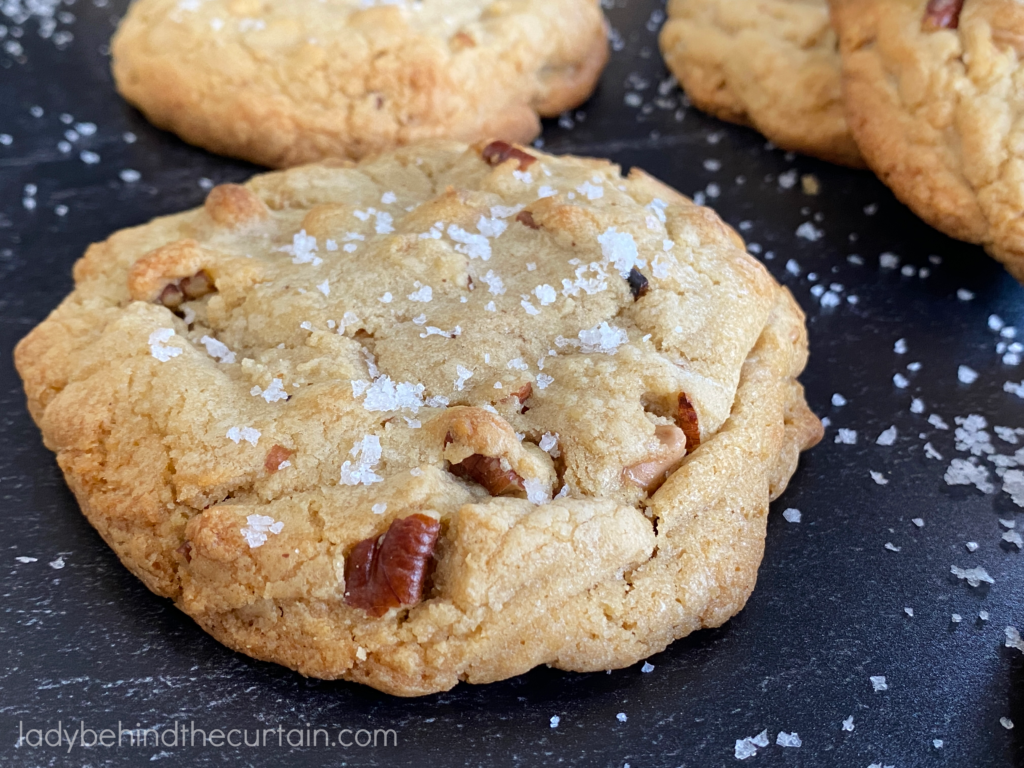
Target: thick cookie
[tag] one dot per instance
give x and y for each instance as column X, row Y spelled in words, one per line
column 935, row 98
column 285, row 83
column 769, row 64
column 444, row 415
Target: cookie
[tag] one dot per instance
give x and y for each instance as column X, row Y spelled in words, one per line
column 769, row 64
column 286, row 83
column 934, row 98
column 448, row 414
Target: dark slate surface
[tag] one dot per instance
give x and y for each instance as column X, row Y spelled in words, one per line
column 87, row 642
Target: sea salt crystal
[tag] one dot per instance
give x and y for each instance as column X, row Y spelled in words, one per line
column 621, row 717
column 271, row 394
column 918, row 521
column 388, row 198
column 1013, row 484
column 966, row 374
column 1012, row 537
column 647, row 668
column 549, row 443
column 424, row 294
column 620, row 249
column 250, row 435
column 530, row 309
column 963, row 472
column 217, row 349
column 57, row 564
column 917, row 405
column 846, row 437
column 748, row 747
column 130, row 176
column 383, row 394
column 545, row 294
column 974, row 576
column 909, row 612
column 888, row 437
column 257, row 527
column 892, row 547
column 888, row 261
column 972, row 546
column 900, row 347
column 555, row 720
column 936, row 421
column 964, row 295
column 1006, row 722
column 792, row 515
column 379, row 508
column 838, row 400
column 475, row 246
column 464, row 376
column 900, row 381
column 324, row 288
column 367, row 453
column 494, row 282
column 303, row 249
column 788, row 739
column 544, row 381
column 158, row 346
column 878, row 477
column 591, row 191
column 23, row 559
column 1013, row 639
column 848, row 724
column 602, row 338
column 878, row 683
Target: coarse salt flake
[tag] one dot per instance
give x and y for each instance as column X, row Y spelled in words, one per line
column 257, row 527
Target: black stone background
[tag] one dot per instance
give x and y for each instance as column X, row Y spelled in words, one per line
column 88, row 642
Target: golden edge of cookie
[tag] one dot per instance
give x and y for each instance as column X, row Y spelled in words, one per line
column 922, row 174
column 713, row 85
column 647, row 585
column 266, row 126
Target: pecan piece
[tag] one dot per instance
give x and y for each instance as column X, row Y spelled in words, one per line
column 687, row 420
column 277, row 456
column 526, row 219
column 650, row 474
column 497, row 152
column 391, row 570
column 185, row 550
column 638, row 284
column 522, row 395
column 942, row 14
column 487, row 471
column 187, row 289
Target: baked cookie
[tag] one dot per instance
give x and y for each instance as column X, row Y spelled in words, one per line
column 285, row 83
column 935, row 98
column 769, row 64
column 444, row 415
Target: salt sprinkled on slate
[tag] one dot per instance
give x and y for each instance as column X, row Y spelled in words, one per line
column 748, row 747
column 788, row 739
column 23, row 559
column 848, row 724
column 878, row 683
column 555, row 720
column 974, row 576
column 1006, row 722
column 57, row 564
column 647, row 667
column 1013, row 639
column 792, row 515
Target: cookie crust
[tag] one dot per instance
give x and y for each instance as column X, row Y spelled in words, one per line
column 769, row 64
column 937, row 113
column 282, row 84
column 237, row 479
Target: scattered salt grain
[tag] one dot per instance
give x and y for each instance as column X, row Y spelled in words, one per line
column 846, row 437
column 792, row 515
column 367, row 453
column 900, row 381
column 962, row 472
column 250, row 435
column 964, row 295
column 848, row 724
column 909, row 612
column 158, row 345
column 621, row 717
column 974, row 576
column 966, row 374
column 130, row 175
column 900, row 347
column 555, row 720
column 888, row 437
column 1012, row 537
column 271, row 394
column 257, row 528
column 956, row 618
column 647, row 667
column 23, row 559
column 748, row 747
column 838, row 400
column 878, row 683
column 1013, row 638
column 788, row 739
column 892, row 547
column 918, row 521
column 602, row 338
column 217, row 349
column 380, row 508
column 1006, row 722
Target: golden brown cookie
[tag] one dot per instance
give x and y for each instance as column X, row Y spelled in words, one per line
column 935, row 98
column 444, row 415
column 769, row 64
column 285, row 83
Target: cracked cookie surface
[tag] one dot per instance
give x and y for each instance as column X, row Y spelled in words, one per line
column 286, row 83
column 410, row 422
column 769, row 64
column 935, row 98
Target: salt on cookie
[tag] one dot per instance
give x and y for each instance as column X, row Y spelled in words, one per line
column 935, row 98
column 442, row 416
column 769, row 64
column 286, row 83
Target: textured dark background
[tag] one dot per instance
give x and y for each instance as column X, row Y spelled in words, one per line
column 88, row 642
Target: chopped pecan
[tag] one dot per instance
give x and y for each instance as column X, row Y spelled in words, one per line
column 638, row 284
column 487, row 471
column 277, row 456
column 187, row 289
column 526, row 218
column 497, row 152
column 650, row 474
column 942, row 14
column 687, row 420
column 461, row 41
column 391, row 570
column 522, row 395
column 185, row 550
